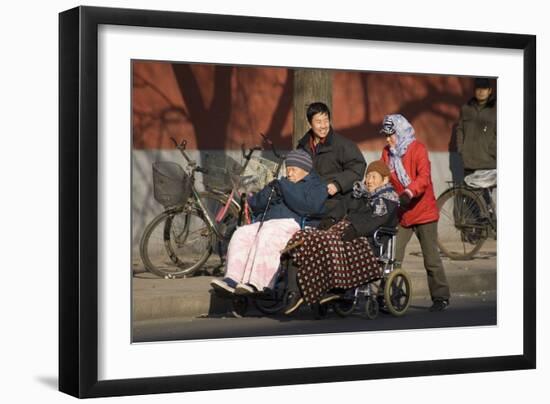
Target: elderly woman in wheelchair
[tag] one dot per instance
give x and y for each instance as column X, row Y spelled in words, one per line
column 350, row 261
column 346, row 263
column 254, row 249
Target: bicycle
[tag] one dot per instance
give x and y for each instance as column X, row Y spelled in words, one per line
column 467, row 218
column 179, row 241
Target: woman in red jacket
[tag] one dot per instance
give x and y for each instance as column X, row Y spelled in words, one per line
column 412, row 180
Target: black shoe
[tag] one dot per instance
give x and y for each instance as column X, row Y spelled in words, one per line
column 439, row 305
column 294, row 302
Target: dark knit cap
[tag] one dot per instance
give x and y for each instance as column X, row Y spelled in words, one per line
column 380, row 167
column 299, row 158
column 481, row 82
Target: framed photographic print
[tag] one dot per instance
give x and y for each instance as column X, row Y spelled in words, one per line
column 172, row 126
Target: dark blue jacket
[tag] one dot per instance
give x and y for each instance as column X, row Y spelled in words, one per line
column 292, row 200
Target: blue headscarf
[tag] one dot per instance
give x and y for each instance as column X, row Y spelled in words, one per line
column 398, row 125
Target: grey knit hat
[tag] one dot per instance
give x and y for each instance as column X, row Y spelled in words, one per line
column 299, row 158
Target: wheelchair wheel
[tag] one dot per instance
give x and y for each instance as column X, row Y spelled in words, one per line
column 271, row 304
column 240, row 306
column 397, row 292
column 372, row 308
column 344, row 307
column 463, row 224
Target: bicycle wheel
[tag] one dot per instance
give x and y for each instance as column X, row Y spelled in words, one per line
column 225, row 226
column 463, row 224
column 176, row 244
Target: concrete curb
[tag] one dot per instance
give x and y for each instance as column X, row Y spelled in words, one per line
column 155, row 298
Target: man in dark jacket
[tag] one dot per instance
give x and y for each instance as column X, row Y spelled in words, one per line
column 336, row 159
column 477, row 129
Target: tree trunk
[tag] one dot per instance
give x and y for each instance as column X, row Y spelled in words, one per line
column 310, row 85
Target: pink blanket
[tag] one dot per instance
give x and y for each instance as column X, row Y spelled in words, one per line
column 255, row 259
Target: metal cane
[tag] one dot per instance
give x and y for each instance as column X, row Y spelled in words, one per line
column 281, row 159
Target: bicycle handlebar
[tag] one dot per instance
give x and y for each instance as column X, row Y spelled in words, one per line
column 248, row 155
column 271, row 145
column 181, row 147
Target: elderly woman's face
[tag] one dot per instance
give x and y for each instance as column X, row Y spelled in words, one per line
column 295, row 174
column 391, row 140
column 373, row 181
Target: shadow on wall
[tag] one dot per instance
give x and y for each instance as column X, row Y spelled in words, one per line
column 221, row 107
column 431, row 103
column 211, row 106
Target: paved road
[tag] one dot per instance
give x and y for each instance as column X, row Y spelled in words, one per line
column 466, row 310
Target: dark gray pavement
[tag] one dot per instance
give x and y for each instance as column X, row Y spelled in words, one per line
column 464, row 311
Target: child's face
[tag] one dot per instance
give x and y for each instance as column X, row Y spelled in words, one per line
column 295, row 174
column 373, row 181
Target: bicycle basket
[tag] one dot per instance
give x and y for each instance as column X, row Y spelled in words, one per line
column 263, row 172
column 220, row 168
column 171, row 184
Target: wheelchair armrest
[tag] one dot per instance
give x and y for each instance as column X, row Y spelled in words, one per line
column 383, row 232
column 308, row 221
column 389, row 231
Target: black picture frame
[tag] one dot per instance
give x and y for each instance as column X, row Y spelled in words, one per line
column 78, row 200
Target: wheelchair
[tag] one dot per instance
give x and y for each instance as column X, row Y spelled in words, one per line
column 391, row 293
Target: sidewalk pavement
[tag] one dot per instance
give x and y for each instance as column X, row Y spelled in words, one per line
column 156, row 298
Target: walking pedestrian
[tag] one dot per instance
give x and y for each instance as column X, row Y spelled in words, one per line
column 411, row 177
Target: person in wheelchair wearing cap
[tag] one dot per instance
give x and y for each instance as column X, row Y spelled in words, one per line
column 254, row 250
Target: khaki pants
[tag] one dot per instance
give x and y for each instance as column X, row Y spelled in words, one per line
column 427, row 235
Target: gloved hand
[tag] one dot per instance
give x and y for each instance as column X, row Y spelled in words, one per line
column 276, row 185
column 404, row 199
column 326, row 223
column 349, row 233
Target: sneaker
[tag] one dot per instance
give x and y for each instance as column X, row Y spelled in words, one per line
column 439, row 305
column 329, row 298
column 224, row 285
column 245, row 289
column 294, row 302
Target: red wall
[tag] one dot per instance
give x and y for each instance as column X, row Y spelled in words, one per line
column 218, row 107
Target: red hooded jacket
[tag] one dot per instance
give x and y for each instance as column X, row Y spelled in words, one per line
column 423, row 207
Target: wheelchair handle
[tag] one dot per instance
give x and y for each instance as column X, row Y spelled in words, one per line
column 388, row 231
